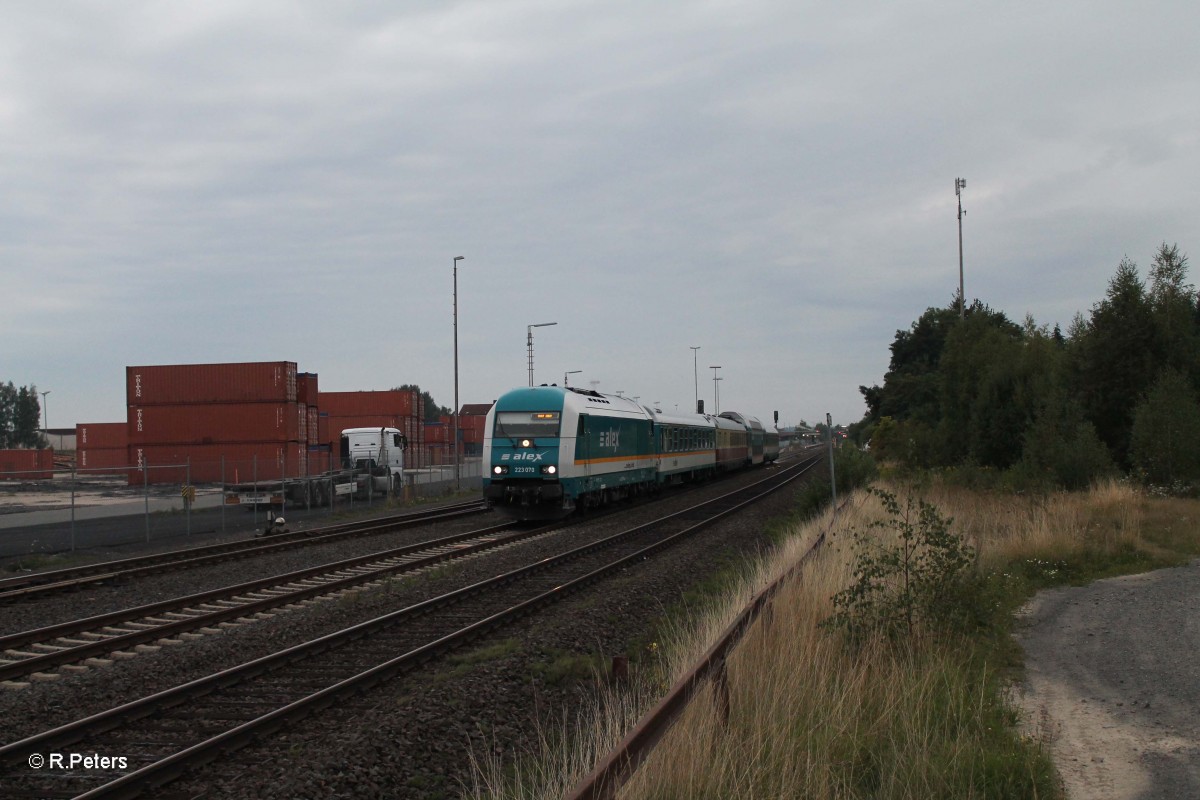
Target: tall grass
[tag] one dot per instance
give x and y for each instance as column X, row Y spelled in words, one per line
column 813, row 718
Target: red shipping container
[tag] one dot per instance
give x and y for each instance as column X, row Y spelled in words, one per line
column 320, row 460
column 306, row 388
column 437, row 433
column 213, row 423
column 102, row 458
column 27, row 465
column 302, row 422
column 314, row 428
column 243, row 462
column 361, row 404
column 89, row 435
column 185, row 384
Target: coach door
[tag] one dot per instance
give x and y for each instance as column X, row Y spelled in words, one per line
column 583, row 450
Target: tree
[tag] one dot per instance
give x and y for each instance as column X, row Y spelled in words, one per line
column 27, row 417
column 1165, row 441
column 1115, row 357
column 1173, row 303
column 20, row 417
column 980, row 376
column 910, row 387
column 1061, row 448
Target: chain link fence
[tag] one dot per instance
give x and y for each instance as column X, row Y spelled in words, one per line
column 65, row 510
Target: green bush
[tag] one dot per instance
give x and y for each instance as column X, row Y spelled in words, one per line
column 925, row 583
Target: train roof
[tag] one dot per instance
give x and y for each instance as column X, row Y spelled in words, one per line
column 551, row 398
column 750, row 422
column 675, row 418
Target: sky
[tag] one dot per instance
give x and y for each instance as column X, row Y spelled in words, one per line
column 770, row 181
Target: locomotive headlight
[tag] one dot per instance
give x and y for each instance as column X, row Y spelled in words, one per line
column 550, row 470
column 500, row 470
column 526, row 443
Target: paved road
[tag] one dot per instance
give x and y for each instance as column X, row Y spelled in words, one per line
column 1113, row 674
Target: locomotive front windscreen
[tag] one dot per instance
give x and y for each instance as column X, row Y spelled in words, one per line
column 528, row 423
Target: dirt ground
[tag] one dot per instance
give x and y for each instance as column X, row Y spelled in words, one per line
column 1113, row 683
column 21, row 497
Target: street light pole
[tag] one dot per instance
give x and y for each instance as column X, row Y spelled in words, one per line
column 46, row 412
column 572, row 372
column 959, row 185
column 529, row 343
column 716, row 389
column 696, row 377
column 457, row 475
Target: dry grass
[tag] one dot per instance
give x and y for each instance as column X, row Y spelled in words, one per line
column 812, row 719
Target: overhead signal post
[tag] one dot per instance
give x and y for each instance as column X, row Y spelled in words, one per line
column 571, row 372
column 696, row 377
column 716, row 389
column 529, row 343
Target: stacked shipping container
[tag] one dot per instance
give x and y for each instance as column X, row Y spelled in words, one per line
column 471, row 419
column 232, row 422
column 102, row 446
column 439, row 435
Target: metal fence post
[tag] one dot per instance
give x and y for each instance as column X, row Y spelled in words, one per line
column 187, row 500
column 283, row 483
column 146, row 492
column 72, row 508
column 222, row 493
column 254, row 473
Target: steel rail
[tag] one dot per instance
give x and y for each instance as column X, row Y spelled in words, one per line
column 159, row 772
column 26, row 586
column 160, row 630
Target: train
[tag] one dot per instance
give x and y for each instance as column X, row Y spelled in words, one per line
column 549, row 451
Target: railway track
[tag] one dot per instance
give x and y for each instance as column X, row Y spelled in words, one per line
column 96, row 640
column 35, row 584
column 169, row 733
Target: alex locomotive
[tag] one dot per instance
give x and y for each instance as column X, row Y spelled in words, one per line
column 549, row 450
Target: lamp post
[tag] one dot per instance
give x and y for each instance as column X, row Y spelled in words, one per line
column 457, row 476
column 529, row 342
column 572, row 372
column 696, row 377
column 716, row 389
column 959, row 185
column 46, row 412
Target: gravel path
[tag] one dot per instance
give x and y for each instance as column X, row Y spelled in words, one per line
column 1113, row 679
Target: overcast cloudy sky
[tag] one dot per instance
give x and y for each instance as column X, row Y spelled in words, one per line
column 771, row 181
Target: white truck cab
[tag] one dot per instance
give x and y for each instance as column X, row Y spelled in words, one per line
column 379, row 452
